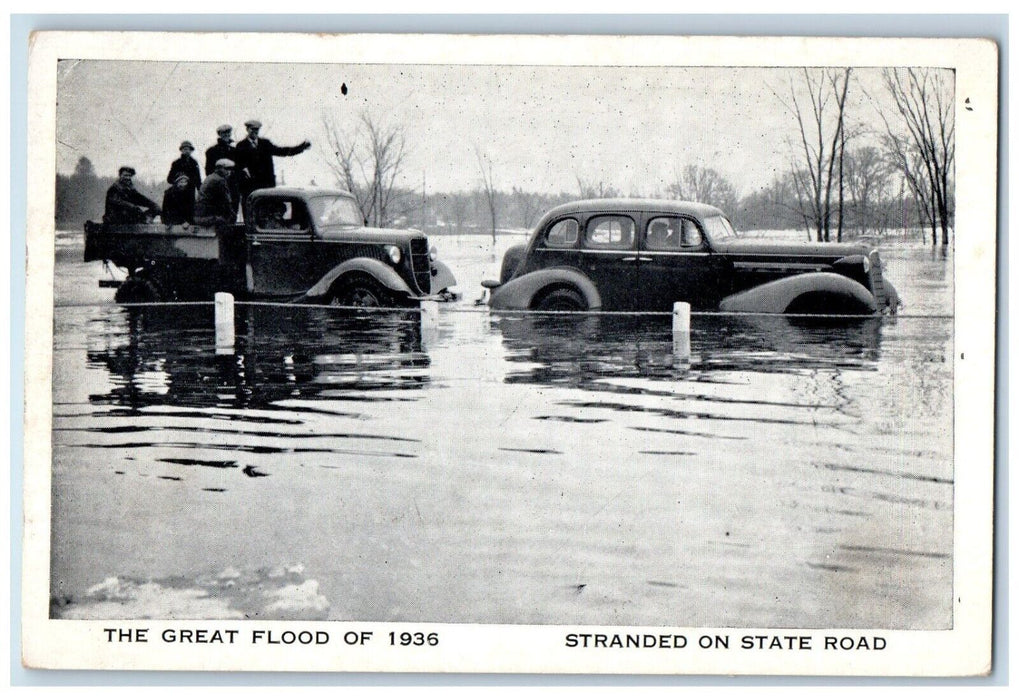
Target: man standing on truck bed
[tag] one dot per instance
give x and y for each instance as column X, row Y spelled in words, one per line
column 254, row 160
column 125, row 204
column 215, row 205
column 223, row 148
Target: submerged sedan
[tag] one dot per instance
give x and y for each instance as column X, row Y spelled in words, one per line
column 644, row 255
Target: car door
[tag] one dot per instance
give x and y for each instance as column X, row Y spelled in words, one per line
column 676, row 264
column 556, row 246
column 608, row 256
column 282, row 255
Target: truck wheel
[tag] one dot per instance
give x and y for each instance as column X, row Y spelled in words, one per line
column 137, row 290
column 561, row 300
column 363, row 291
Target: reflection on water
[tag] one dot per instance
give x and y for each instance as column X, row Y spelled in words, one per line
column 574, row 350
column 162, row 356
column 506, row 469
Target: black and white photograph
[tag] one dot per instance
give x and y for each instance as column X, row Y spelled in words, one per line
column 562, row 354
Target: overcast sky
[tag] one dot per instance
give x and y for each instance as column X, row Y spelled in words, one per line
column 632, row 128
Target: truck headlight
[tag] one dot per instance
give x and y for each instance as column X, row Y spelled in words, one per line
column 866, row 264
column 394, row 254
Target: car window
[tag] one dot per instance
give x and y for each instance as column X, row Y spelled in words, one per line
column 719, row 228
column 672, row 233
column 280, row 215
column 563, row 234
column 334, row 210
column 609, row 232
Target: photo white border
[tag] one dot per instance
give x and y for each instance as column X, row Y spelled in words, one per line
column 965, row 650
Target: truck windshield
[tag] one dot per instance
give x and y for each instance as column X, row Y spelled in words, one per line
column 335, row 211
column 719, row 229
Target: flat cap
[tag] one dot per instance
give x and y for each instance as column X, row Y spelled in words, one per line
column 224, row 129
column 126, row 169
column 187, row 144
column 225, row 162
column 253, row 123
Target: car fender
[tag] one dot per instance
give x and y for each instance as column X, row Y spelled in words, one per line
column 442, row 276
column 775, row 297
column 520, row 291
column 511, row 260
column 386, row 276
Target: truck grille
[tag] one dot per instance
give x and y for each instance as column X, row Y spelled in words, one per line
column 420, row 265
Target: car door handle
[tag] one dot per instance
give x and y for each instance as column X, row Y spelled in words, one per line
column 637, row 258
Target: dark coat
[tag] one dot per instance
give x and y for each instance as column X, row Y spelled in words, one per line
column 216, row 152
column 257, row 159
column 215, row 204
column 126, row 205
column 178, row 206
column 186, row 165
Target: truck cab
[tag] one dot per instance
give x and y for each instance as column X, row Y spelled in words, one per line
column 300, row 244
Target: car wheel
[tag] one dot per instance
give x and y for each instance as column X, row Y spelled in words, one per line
column 137, row 290
column 561, row 300
column 362, row 291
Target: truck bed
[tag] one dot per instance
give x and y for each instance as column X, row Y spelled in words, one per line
column 131, row 245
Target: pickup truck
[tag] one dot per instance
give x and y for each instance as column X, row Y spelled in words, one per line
column 301, row 245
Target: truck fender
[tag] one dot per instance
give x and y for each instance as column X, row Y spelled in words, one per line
column 775, row 297
column 519, row 292
column 442, row 276
column 386, row 276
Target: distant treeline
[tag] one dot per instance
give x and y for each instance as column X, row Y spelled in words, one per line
column 81, row 197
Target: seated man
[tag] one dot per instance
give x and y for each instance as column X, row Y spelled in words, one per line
column 179, row 203
column 659, row 237
column 271, row 215
column 280, row 216
column 125, row 204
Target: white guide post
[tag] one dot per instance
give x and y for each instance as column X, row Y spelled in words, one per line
column 429, row 321
column 681, row 332
column 224, row 323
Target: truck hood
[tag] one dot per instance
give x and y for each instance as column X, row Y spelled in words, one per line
column 365, row 234
column 763, row 248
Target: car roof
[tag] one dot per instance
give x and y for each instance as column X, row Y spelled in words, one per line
column 631, row 204
column 302, row 192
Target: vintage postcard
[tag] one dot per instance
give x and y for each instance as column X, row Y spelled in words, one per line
column 636, row 354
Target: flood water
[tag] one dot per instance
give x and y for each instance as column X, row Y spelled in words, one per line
column 514, row 469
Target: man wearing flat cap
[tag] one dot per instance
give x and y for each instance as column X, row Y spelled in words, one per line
column 215, row 202
column 187, row 166
column 223, row 148
column 254, row 159
column 125, row 204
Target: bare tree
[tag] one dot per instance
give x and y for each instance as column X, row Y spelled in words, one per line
column 528, row 205
column 867, row 176
column 822, row 139
column 700, row 184
column 487, row 184
column 367, row 162
column 589, row 190
column 923, row 145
